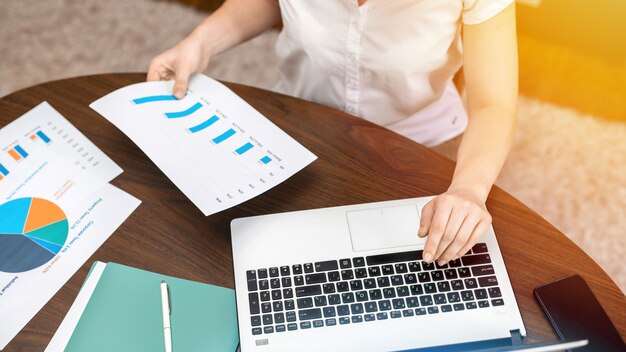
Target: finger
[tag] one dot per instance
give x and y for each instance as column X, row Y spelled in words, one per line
column 477, row 233
column 452, row 228
column 182, row 79
column 154, row 69
column 461, row 238
column 436, row 229
column 427, row 216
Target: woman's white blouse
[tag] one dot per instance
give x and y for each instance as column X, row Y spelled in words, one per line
column 388, row 61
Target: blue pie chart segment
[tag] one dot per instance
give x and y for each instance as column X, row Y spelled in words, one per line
column 32, row 232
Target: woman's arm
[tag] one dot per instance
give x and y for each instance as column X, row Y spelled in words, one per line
column 455, row 220
column 233, row 23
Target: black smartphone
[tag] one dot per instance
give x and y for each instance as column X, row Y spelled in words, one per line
column 576, row 314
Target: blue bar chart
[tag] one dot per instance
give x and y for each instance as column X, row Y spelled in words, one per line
column 154, row 98
column 244, row 148
column 224, row 136
column 44, row 137
column 176, row 115
column 197, row 128
column 3, row 172
column 266, row 159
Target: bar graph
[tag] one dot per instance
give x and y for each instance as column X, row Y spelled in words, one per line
column 3, row 172
column 154, row 98
column 266, row 159
column 224, row 136
column 175, row 115
column 17, row 153
column 244, row 148
column 197, row 128
column 43, row 137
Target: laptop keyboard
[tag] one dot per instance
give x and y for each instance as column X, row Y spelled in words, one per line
column 366, row 289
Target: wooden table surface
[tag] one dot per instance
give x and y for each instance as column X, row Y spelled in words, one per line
column 358, row 162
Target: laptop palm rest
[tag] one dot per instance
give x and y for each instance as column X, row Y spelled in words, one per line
column 384, row 228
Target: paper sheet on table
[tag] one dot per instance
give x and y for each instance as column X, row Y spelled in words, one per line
column 56, row 209
column 216, row 148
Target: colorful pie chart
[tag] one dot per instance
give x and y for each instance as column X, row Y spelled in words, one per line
column 32, row 232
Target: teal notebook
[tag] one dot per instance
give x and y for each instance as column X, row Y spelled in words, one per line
column 124, row 314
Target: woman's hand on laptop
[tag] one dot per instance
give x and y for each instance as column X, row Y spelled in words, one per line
column 453, row 221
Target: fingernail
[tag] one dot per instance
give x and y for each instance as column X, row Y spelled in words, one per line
column 442, row 262
column 428, row 257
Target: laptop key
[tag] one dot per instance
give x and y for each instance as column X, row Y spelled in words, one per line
column 253, row 300
column 268, row 330
column 482, row 270
column 369, row 317
column 381, row 316
column 430, row 287
column 494, row 292
column 454, row 297
column 257, row 331
column 275, row 283
column 450, row 274
column 284, row 270
column 347, row 274
column 344, row 321
column 369, row 283
column 398, row 303
column 486, row 281
column 277, row 306
column 343, row 286
column 470, row 305
column 458, row 306
column 345, row 263
column 305, row 325
column 315, row 278
column 407, row 313
column 305, row 291
column 394, row 257
column 410, row 279
column 265, row 296
column 255, row 320
column 417, row 290
column 375, row 294
column 347, row 297
column 334, row 299
column 360, row 273
column 389, row 292
column 267, row 319
column 423, row 277
column 280, row 328
column 262, row 273
column 361, row 296
column 328, row 288
column 471, row 283
column 481, row 293
column 464, row 272
column 443, row 286
column 310, row 314
column 467, row 296
column 251, row 278
column 400, row 268
column 297, row 269
column 433, row 310
column 387, row 269
column 412, row 302
column 403, row 291
column 358, row 262
column 428, row 266
column 331, row 322
column 305, row 302
column 264, row 285
column 440, row 298
column 320, row 301
column 326, row 266
column 437, row 275
column 291, row 316
column 298, row 280
column 329, row 312
column 371, row 307
column 383, row 281
column 420, row 311
column 357, row 319
column 373, row 271
column 426, row 300
column 356, row 285
column 318, row 323
column 308, row 268
column 497, row 302
column 457, row 285
column 356, row 308
column 279, row 318
column 289, row 304
column 334, row 276
column 455, row 263
column 395, row 314
column 476, row 259
column 343, row 310
column 273, row 272
column 414, row 267
column 384, row 305
column 445, row 266
column 396, row 280
column 446, row 308
column 480, row 248
column 292, row 326
column 276, row 294
column 286, row 281
column 483, row 304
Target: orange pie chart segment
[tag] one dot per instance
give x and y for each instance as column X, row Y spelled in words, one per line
column 42, row 213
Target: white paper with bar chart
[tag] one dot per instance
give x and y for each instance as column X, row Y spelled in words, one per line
column 216, row 148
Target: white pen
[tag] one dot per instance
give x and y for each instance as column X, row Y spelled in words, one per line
column 167, row 310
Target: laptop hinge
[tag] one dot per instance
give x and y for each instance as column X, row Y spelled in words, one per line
column 516, row 337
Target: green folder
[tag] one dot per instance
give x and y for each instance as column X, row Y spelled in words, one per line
column 124, row 314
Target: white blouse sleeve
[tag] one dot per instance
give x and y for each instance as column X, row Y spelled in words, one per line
column 477, row 11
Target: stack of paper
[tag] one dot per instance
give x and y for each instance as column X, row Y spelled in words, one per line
column 56, row 208
column 119, row 309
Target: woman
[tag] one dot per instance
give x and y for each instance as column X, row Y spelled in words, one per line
column 391, row 62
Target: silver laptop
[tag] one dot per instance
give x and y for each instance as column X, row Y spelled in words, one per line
column 352, row 278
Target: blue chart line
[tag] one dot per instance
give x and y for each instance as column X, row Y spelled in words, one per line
column 43, row 136
column 224, row 136
column 266, row 159
column 191, row 110
column 21, row 151
column 244, row 148
column 213, row 119
column 3, row 170
column 154, row 98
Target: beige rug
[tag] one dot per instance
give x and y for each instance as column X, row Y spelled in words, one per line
column 568, row 167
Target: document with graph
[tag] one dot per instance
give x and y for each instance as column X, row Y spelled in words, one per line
column 215, row 147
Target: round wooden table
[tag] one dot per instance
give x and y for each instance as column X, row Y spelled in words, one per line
column 358, row 162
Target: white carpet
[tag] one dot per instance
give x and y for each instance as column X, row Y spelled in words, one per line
column 568, row 167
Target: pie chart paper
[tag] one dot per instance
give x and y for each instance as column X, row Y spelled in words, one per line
column 32, row 232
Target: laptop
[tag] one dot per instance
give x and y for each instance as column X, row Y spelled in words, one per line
column 351, row 278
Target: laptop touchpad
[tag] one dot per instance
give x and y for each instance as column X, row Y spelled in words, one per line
column 387, row 227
